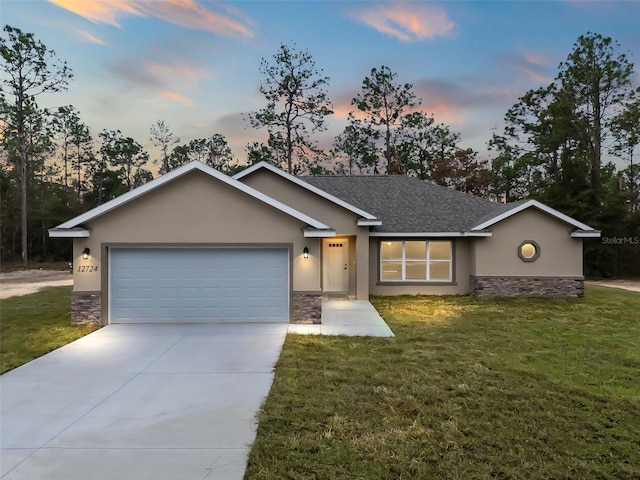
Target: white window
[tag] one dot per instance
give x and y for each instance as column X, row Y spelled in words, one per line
column 416, row 261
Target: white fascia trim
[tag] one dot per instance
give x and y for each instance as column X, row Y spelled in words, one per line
column 178, row 172
column 538, row 205
column 363, row 222
column 431, row 234
column 312, row 233
column 71, row 233
column 581, row 234
column 305, row 185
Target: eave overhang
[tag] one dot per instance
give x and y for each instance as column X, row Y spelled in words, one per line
column 319, row 233
column 432, row 234
column 586, row 234
column 364, row 222
column 69, row 233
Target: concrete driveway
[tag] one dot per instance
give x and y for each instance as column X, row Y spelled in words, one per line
column 141, row 402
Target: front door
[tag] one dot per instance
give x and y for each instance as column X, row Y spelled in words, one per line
column 335, row 254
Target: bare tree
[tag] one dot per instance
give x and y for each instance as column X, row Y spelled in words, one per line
column 296, row 100
column 161, row 136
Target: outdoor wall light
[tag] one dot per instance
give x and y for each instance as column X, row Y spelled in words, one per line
column 305, row 252
column 86, row 252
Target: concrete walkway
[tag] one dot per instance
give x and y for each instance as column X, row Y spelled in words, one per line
column 156, row 402
column 346, row 317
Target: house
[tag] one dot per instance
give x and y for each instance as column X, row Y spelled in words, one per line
column 264, row 246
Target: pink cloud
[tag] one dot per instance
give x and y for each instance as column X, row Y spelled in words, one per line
column 90, row 38
column 175, row 70
column 534, row 65
column 98, row 11
column 186, row 13
column 176, row 97
column 407, row 21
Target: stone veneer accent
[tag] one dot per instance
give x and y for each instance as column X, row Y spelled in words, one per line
column 527, row 286
column 307, row 309
column 86, row 308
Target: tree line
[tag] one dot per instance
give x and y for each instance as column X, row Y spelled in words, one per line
column 555, row 145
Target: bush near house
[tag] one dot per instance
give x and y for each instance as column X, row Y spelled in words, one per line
column 469, row 388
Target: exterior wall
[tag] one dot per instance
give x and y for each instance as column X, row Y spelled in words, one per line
column 556, row 272
column 339, row 218
column 460, row 285
column 193, row 210
column 560, row 255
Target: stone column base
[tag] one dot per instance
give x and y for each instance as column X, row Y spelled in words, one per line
column 307, row 309
column 86, row 308
column 527, row 286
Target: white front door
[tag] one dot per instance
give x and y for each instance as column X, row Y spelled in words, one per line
column 335, row 254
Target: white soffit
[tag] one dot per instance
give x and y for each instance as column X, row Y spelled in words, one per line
column 363, row 222
column 315, row 233
column 431, row 234
column 581, row 234
column 69, row 233
column 307, row 186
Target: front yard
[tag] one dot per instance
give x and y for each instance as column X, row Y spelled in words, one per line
column 33, row 325
column 468, row 389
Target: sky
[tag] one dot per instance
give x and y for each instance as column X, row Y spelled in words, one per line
column 195, row 64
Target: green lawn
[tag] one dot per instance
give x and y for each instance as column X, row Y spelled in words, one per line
column 33, row 325
column 468, row 389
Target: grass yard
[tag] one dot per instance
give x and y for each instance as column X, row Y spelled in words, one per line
column 468, row 389
column 33, row 325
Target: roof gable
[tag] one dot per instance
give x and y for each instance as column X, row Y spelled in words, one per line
column 372, row 219
column 71, row 228
column 510, row 209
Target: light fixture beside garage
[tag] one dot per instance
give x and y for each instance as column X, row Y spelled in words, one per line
column 86, row 252
column 305, row 252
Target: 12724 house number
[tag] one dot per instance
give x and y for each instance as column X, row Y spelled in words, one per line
column 87, row 268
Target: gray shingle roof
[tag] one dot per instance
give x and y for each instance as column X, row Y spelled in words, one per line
column 407, row 204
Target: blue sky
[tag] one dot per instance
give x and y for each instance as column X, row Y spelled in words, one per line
column 195, row 64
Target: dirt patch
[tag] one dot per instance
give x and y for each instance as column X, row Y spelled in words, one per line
column 632, row 285
column 25, row 282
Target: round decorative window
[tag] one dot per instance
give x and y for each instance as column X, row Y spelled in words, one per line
column 528, row 251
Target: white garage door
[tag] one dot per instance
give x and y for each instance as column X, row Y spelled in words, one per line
column 166, row 285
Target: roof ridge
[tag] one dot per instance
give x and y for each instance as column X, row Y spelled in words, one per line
column 411, row 178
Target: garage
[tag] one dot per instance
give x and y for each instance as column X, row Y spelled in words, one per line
column 168, row 285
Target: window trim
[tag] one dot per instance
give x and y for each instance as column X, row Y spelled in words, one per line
column 404, row 281
column 535, row 255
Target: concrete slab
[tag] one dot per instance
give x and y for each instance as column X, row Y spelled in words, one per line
column 111, row 464
column 346, row 317
column 152, row 401
column 139, row 401
column 11, row 458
